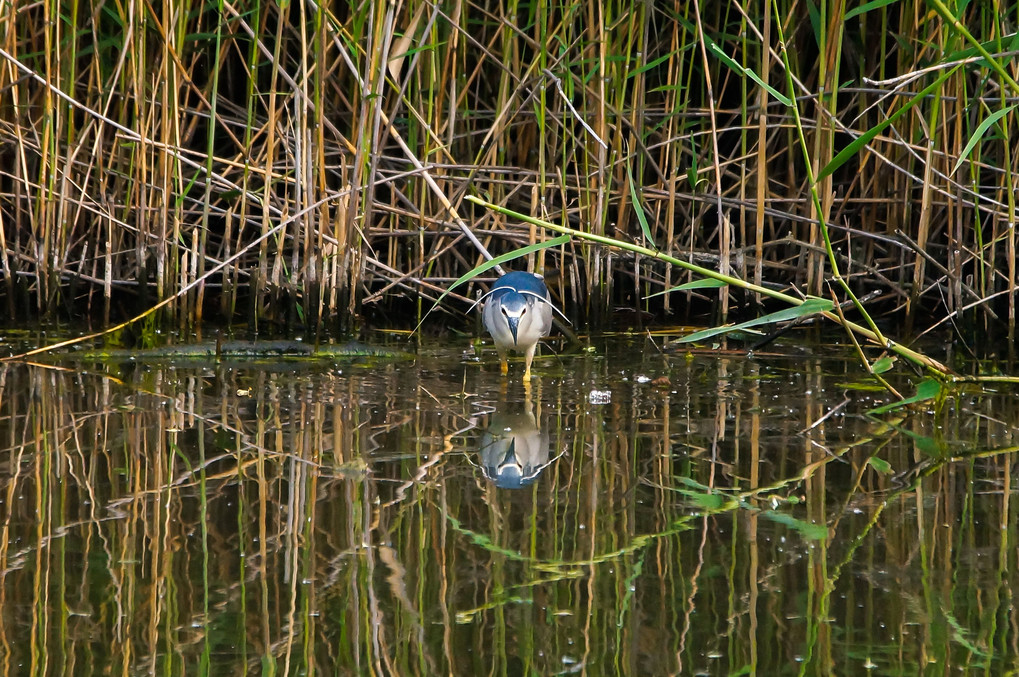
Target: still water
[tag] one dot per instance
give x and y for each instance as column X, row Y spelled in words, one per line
column 636, row 510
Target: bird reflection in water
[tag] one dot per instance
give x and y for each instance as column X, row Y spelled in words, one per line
column 514, row 450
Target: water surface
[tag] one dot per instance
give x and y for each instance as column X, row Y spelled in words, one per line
column 635, row 510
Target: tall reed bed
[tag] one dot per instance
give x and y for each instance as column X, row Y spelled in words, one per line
column 298, row 163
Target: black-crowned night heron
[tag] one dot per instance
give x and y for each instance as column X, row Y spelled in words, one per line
column 518, row 313
column 514, row 450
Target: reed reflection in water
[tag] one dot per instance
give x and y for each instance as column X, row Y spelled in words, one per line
column 701, row 514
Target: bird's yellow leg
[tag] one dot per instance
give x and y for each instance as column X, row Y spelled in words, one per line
column 527, row 362
column 503, row 361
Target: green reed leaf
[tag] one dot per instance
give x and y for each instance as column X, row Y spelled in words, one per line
column 979, row 134
column 705, row 283
column 866, row 137
column 928, row 389
column 811, row 306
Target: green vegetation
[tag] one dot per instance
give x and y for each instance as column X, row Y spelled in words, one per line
column 299, row 164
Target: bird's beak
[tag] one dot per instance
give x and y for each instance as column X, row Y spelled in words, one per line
column 514, row 323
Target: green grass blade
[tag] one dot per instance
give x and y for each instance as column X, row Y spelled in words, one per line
column 747, row 72
column 979, row 134
column 808, row 307
column 951, row 19
column 651, row 65
column 880, row 464
column 707, row 283
column 641, row 217
column 1005, row 44
column 882, row 365
column 928, row 389
column 865, row 138
column 809, row 530
column 867, row 7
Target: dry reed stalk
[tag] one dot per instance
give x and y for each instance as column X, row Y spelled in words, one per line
column 160, row 140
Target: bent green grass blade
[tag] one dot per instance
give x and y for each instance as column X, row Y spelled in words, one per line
column 705, row 283
column 635, row 199
column 809, row 530
column 952, row 20
column 867, row 7
column 881, row 365
column 979, row 134
column 811, row 306
column 865, row 138
column 928, row 389
column 1006, row 44
column 880, row 464
column 727, row 60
